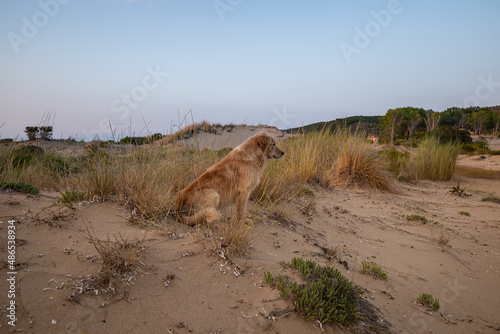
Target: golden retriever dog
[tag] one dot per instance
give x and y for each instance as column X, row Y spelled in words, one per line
column 229, row 181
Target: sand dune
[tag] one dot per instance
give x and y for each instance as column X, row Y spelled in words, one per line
column 182, row 286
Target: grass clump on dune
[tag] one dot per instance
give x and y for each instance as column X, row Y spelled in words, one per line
column 20, row 186
column 432, row 161
column 328, row 159
column 356, row 163
column 428, row 300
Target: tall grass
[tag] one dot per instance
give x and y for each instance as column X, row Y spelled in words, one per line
column 432, row 161
column 147, row 178
column 338, row 159
column 31, row 164
column 305, row 160
column 356, row 163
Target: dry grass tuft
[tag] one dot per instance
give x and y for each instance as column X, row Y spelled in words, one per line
column 120, row 260
column 232, row 236
column 356, row 163
column 338, row 159
column 440, row 235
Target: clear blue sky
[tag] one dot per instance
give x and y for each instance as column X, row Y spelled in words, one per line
column 286, row 63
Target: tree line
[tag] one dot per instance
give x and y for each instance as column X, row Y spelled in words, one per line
column 454, row 124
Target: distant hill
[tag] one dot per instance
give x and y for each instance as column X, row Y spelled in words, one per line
column 368, row 124
column 495, row 109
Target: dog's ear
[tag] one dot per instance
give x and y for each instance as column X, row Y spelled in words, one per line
column 263, row 141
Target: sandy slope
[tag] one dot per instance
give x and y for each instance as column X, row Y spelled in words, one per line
column 210, row 294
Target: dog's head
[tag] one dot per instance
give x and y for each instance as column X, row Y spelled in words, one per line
column 268, row 146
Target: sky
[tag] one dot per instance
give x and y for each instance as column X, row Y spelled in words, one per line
column 113, row 68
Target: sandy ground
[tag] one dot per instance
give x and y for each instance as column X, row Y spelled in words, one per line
column 212, row 294
column 488, row 162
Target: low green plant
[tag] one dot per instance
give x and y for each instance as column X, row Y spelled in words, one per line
column 475, row 148
column 373, row 269
column 20, row 186
column 464, row 213
column 269, row 279
column 494, row 199
column 326, row 296
column 429, row 301
column 70, row 196
column 417, row 218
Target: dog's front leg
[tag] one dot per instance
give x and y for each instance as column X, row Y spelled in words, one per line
column 242, row 205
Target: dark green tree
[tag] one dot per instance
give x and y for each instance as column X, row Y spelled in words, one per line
column 31, row 132
column 45, row 132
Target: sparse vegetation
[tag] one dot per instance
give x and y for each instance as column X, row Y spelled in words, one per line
column 464, row 213
column 457, row 190
column 429, row 301
column 232, row 236
column 20, row 186
column 440, row 235
column 373, row 269
column 493, row 199
column 422, row 219
column 119, row 260
column 326, row 296
column 70, row 196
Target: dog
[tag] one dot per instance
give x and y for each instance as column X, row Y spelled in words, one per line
column 229, row 181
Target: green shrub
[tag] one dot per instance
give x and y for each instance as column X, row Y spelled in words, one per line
column 396, row 160
column 448, row 133
column 56, row 165
column 475, row 148
column 25, row 155
column 429, row 301
column 327, row 296
column 493, row 199
column 373, row 269
column 20, row 186
column 417, row 218
column 70, row 196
